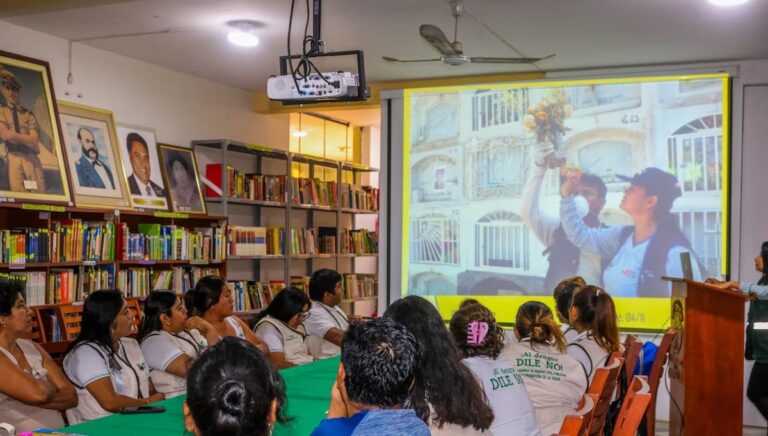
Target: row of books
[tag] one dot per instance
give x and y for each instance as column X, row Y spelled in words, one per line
column 159, row 242
column 360, row 286
column 254, row 241
column 251, row 295
column 261, row 187
column 359, row 197
column 20, row 246
column 323, row 241
column 70, row 285
column 314, row 192
column 359, row 241
column 139, row 282
column 75, row 240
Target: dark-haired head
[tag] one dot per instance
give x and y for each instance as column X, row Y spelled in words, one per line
column 210, row 296
column 232, row 389
column 324, row 286
column 288, row 306
column 762, row 266
column 162, row 311
column 379, row 358
column 534, row 322
column 134, row 139
column 563, row 294
column 462, row 401
column 106, row 319
column 15, row 316
column 593, row 310
column 474, row 314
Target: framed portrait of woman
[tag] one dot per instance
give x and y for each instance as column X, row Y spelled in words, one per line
column 181, row 177
column 93, row 157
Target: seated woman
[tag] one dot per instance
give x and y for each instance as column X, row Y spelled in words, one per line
column 280, row 326
column 212, row 300
column 563, row 297
column 446, row 394
column 481, row 340
column 232, row 389
column 593, row 315
column 105, row 365
column 554, row 380
column 33, row 388
column 170, row 341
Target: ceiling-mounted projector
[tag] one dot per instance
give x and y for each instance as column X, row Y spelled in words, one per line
column 315, row 87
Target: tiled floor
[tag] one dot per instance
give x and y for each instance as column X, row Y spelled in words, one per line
column 662, row 429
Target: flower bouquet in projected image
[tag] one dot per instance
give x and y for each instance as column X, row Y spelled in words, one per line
column 547, row 121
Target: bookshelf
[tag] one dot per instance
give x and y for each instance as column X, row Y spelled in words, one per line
column 317, row 211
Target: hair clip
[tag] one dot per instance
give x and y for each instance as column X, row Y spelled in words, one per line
column 476, row 332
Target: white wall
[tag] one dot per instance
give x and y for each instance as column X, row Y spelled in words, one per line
column 178, row 106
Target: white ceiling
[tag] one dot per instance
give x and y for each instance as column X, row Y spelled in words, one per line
column 582, row 33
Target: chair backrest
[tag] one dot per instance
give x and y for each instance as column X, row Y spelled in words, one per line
column 71, row 316
column 135, row 308
column 38, row 334
column 632, row 349
column 577, row 423
column 633, row 407
column 604, row 385
column 657, row 371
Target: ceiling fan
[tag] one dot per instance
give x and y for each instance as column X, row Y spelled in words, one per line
column 452, row 53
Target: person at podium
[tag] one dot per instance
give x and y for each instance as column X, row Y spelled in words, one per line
column 757, row 330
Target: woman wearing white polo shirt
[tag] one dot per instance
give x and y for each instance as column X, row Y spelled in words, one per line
column 279, row 325
column 106, row 366
column 554, row 380
column 327, row 322
column 170, row 341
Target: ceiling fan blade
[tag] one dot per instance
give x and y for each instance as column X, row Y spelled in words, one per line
column 437, row 39
column 391, row 59
column 495, row 60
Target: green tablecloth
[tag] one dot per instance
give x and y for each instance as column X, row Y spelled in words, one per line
column 308, row 389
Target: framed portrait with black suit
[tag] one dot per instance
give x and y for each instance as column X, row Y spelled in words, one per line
column 181, row 177
column 141, row 163
column 98, row 179
column 32, row 159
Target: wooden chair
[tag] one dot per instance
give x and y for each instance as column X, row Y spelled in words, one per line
column 657, row 371
column 604, row 385
column 633, row 407
column 38, row 334
column 632, row 349
column 136, row 315
column 70, row 318
column 577, row 423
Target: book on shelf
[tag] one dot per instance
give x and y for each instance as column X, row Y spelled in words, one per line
column 139, row 282
column 24, row 245
column 33, row 283
column 251, row 295
column 314, row 192
column 247, row 241
column 326, row 238
column 258, row 187
column 301, row 283
column 69, row 285
column 76, row 240
column 359, row 241
column 303, row 241
column 359, row 197
column 358, row 286
column 171, row 242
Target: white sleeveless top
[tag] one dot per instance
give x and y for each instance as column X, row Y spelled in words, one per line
column 89, row 362
column 235, row 325
column 160, row 348
column 280, row 338
column 23, row 416
column 514, row 415
column 586, row 351
column 555, row 381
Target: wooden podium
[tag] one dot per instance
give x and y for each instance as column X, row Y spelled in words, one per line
column 706, row 360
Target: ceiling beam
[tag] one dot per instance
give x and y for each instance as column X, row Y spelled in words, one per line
column 13, row 8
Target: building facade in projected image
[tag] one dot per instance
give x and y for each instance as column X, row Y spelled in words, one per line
column 472, row 159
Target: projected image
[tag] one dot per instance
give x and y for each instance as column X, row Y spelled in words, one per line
column 512, row 189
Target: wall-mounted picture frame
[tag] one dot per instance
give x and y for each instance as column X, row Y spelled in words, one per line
column 32, row 159
column 141, row 162
column 94, row 162
column 181, row 177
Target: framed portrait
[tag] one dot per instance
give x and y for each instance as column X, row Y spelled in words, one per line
column 138, row 150
column 32, row 159
column 98, row 179
column 181, row 178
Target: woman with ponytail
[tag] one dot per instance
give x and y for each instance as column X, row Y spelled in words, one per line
column 554, row 380
column 481, row 341
column 593, row 315
column 232, row 389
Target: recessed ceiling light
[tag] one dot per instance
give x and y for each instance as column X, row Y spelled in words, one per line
column 299, row 134
column 728, row 2
column 244, row 33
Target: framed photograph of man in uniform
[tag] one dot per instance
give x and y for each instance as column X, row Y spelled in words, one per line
column 93, row 155
column 181, row 176
column 138, row 149
column 32, row 160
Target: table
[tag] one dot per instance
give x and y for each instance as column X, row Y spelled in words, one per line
column 308, row 390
